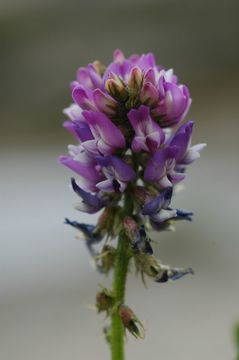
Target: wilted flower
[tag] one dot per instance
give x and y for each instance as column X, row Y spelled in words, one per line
column 131, row 322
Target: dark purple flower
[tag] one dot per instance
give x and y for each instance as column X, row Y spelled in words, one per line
column 90, row 203
column 158, row 207
column 117, row 174
column 166, row 273
column 184, row 215
column 141, row 242
column 148, row 135
column 87, row 232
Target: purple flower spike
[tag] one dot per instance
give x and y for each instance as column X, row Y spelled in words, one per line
column 117, row 172
column 90, row 203
column 161, row 167
column 148, row 135
column 108, row 136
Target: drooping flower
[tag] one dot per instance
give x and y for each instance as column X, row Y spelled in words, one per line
column 88, row 233
column 90, row 203
column 158, row 208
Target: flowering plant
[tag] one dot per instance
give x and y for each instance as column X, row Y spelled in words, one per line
column 132, row 150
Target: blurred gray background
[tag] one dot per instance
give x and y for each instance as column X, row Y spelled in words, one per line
column 46, row 283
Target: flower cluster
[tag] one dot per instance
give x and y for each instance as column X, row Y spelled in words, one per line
column 131, row 142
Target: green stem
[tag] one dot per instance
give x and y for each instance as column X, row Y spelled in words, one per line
column 119, row 282
column 119, row 285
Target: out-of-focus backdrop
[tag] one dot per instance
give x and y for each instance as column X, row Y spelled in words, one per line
column 46, row 283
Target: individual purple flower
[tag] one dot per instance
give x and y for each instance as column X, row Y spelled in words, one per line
column 182, row 139
column 90, row 203
column 89, row 175
column 158, row 207
column 173, row 105
column 107, row 136
column 105, row 102
column 148, row 134
column 161, row 168
column 83, row 97
column 90, row 76
column 117, row 174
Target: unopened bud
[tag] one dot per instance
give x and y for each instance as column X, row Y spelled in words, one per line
column 131, row 322
column 117, row 89
column 99, row 67
column 104, row 102
column 119, row 56
column 149, row 94
column 135, row 80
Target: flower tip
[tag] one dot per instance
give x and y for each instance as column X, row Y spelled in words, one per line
column 118, row 56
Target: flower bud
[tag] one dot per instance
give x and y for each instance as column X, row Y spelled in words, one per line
column 99, row 67
column 116, row 88
column 104, row 102
column 135, row 80
column 149, row 94
column 131, row 322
